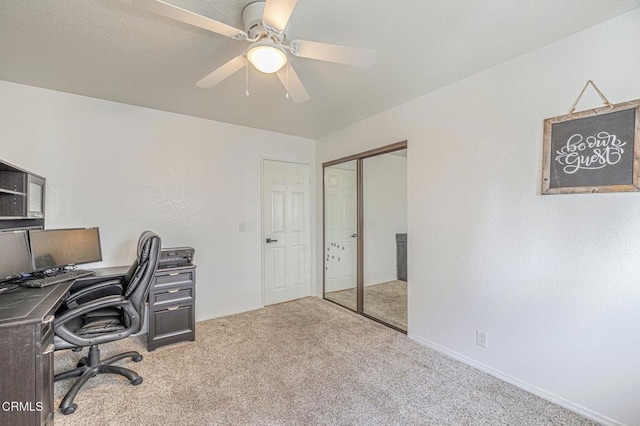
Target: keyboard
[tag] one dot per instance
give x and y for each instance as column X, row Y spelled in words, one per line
column 55, row 279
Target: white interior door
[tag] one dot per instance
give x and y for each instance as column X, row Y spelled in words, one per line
column 341, row 227
column 286, row 231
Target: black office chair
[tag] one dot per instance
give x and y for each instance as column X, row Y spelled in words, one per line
column 105, row 312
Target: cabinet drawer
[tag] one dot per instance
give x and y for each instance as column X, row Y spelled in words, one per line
column 172, row 296
column 165, row 279
column 171, row 325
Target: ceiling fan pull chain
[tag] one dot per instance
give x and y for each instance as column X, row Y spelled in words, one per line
column 246, row 80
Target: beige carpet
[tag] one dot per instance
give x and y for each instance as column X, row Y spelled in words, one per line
column 308, row 362
column 385, row 301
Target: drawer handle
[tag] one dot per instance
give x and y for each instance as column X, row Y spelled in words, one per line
column 50, row 348
column 173, row 291
column 173, row 274
column 173, row 308
column 48, row 319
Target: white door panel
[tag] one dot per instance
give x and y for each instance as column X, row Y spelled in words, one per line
column 286, row 221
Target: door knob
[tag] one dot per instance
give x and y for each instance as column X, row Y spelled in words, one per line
column 354, row 235
column 269, row 240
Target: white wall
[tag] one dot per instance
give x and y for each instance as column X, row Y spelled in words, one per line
column 385, row 214
column 554, row 280
column 126, row 169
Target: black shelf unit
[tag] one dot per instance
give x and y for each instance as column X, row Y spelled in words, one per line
column 22, row 196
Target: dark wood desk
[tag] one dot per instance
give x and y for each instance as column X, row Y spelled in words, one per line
column 26, row 353
column 26, row 348
column 26, row 336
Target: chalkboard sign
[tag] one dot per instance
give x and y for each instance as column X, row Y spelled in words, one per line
column 592, row 151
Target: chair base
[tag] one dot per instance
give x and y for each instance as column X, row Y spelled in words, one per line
column 89, row 367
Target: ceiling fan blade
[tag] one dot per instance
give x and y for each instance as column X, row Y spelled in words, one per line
column 292, row 84
column 365, row 58
column 277, row 13
column 223, row 72
column 182, row 15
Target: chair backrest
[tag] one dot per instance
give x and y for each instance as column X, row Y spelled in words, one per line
column 135, row 288
column 142, row 272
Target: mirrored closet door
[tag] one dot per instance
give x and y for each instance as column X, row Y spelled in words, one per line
column 365, row 234
column 341, row 234
column 384, row 216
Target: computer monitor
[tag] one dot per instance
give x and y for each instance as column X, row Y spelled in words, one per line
column 57, row 248
column 15, row 258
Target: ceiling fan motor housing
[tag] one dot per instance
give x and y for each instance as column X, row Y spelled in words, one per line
column 252, row 19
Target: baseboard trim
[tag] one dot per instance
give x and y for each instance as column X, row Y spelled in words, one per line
column 579, row 409
column 231, row 312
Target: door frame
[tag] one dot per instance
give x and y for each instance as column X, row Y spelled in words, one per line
column 359, row 157
column 310, row 222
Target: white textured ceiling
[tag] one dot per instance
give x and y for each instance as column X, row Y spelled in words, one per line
column 108, row 49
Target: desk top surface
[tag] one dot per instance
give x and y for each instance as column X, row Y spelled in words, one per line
column 30, row 305
column 112, row 271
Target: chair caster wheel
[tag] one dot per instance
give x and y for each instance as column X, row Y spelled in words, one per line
column 136, row 381
column 69, row 410
column 137, row 358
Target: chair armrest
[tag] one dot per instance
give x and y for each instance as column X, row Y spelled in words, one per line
column 93, row 292
column 105, row 302
column 133, row 326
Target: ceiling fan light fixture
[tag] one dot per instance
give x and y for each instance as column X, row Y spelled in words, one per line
column 267, row 56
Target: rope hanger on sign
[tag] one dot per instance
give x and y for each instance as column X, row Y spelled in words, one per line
column 604, row 99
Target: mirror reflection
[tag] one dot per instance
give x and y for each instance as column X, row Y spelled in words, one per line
column 340, row 234
column 384, row 186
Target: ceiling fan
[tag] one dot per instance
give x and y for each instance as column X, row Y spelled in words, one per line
column 266, row 28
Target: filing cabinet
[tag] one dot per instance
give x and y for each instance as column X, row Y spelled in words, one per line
column 172, row 307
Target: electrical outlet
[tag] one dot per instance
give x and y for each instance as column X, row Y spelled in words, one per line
column 481, row 338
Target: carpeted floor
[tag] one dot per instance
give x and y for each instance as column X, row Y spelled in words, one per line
column 385, row 301
column 307, row 362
